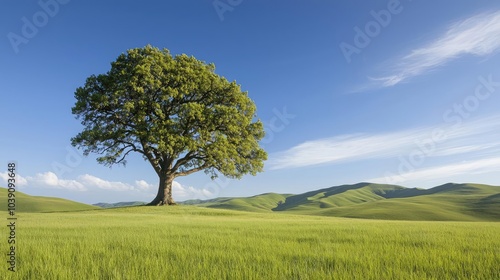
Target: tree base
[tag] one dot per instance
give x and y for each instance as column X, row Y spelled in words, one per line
column 164, row 195
column 160, row 202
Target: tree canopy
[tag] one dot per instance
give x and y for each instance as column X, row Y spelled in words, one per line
column 175, row 111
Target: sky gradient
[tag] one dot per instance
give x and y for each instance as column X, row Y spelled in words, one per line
column 402, row 92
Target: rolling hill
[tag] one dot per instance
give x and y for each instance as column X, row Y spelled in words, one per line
column 449, row 202
column 257, row 203
column 28, row 203
column 119, row 204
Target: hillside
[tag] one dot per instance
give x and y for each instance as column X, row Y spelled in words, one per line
column 28, row 203
column 258, row 203
column 118, row 204
column 449, row 202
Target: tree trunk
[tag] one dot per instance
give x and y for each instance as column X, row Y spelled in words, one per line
column 164, row 196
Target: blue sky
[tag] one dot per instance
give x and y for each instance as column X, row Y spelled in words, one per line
column 404, row 92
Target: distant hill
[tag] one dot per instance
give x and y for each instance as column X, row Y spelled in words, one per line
column 258, row 203
column 28, row 203
column 119, row 204
column 449, row 202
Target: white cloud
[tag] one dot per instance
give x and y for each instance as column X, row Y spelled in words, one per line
column 50, row 179
column 20, row 180
column 465, row 149
column 87, row 181
column 335, row 149
column 93, row 181
column 178, row 191
column 141, row 189
column 188, row 192
column 481, row 166
column 143, row 185
column 479, row 135
column 477, row 35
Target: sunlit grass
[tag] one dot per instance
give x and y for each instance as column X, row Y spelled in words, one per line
column 196, row 243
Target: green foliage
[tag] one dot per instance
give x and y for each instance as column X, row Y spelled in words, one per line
column 175, row 111
column 186, row 242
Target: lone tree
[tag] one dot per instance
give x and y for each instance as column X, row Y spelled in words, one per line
column 173, row 110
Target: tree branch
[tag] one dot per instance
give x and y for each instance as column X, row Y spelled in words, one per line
column 125, row 155
column 189, row 156
column 190, row 171
column 148, row 153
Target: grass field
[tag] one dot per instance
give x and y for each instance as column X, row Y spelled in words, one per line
column 188, row 242
column 28, row 203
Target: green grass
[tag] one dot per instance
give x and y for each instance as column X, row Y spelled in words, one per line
column 28, row 203
column 449, row 202
column 120, row 204
column 258, row 203
column 188, row 242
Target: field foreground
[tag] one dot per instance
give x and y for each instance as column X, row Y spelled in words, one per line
column 186, row 242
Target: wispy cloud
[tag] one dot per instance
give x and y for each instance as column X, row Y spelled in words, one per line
column 477, row 35
column 464, row 149
column 473, row 136
column 481, row 166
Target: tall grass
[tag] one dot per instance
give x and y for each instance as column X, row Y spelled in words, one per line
column 197, row 243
